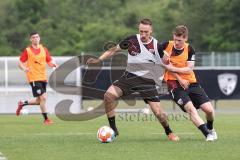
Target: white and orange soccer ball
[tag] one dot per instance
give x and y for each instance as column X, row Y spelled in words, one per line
column 105, row 134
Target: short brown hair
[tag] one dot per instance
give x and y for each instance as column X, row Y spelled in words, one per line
column 146, row 21
column 33, row 33
column 181, row 30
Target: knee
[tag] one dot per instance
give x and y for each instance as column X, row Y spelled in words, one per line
column 42, row 98
column 209, row 111
column 207, row 108
column 108, row 97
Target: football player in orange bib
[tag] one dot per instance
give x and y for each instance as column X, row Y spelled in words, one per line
column 182, row 83
column 33, row 62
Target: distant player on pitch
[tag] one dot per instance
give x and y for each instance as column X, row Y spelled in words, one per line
column 33, row 62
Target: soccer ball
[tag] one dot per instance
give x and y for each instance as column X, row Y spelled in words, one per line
column 105, row 134
column 24, row 112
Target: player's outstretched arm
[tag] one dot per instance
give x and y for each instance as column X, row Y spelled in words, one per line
column 109, row 53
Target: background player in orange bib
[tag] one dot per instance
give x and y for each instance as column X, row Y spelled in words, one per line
column 33, row 62
column 182, row 83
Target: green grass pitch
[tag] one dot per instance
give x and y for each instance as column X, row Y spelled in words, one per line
column 26, row 138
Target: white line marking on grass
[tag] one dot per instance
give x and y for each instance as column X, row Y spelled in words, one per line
column 82, row 133
column 2, row 156
column 63, row 134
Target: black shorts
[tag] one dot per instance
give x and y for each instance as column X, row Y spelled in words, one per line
column 130, row 83
column 194, row 93
column 38, row 88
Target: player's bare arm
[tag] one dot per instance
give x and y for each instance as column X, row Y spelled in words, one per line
column 166, row 62
column 109, row 53
column 183, row 82
column 183, row 70
column 23, row 66
column 52, row 64
column 166, row 58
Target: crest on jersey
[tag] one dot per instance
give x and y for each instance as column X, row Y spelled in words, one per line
column 180, row 101
column 227, row 83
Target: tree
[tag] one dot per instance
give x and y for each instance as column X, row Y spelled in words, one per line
column 224, row 35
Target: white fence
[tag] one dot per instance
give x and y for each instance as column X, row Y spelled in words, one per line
column 217, row 59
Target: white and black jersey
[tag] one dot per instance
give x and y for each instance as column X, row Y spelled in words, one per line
column 142, row 56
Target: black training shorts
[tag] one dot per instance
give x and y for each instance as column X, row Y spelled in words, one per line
column 38, row 88
column 194, row 93
column 130, row 83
